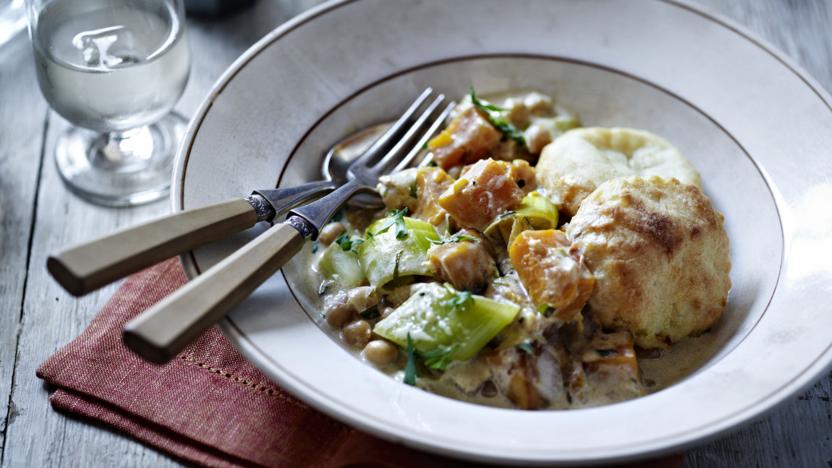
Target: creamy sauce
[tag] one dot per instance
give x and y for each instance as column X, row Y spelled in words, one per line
column 529, row 364
column 679, row 361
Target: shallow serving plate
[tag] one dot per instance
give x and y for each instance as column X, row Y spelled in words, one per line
column 758, row 129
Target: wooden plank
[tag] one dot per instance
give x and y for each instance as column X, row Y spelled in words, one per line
column 798, row 432
column 23, row 115
column 39, row 436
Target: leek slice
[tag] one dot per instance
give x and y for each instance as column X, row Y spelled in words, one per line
column 535, row 212
column 444, row 324
column 538, row 210
column 341, row 267
column 396, row 250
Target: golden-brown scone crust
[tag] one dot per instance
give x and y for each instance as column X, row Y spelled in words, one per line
column 659, row 252
column 580, row 160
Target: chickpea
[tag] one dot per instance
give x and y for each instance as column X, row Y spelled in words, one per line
column 360, row 219
column 330, row 232
column 357, row 333
column 338, row 314
column 381, row 352
column 538, row 104
column 518, row 113
column 337, row 309
column 536, row 138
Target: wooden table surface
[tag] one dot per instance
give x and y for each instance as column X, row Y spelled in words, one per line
column 39, row 216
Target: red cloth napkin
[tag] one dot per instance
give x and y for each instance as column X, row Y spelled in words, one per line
column 208, row 406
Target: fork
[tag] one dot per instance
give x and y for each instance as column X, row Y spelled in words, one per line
column 162, row 331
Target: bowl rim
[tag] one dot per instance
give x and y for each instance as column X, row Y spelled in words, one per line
column 656, row 447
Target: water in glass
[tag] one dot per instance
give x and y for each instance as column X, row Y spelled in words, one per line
column 110, row 68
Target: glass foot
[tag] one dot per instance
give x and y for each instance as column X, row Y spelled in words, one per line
column 123, row 168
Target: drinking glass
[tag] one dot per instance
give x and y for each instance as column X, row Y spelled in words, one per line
column 114, row 69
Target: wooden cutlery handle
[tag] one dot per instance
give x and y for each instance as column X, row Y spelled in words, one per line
column 89, row 266
column 162, row 331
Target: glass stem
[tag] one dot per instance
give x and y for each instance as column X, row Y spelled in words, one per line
column 127, row 150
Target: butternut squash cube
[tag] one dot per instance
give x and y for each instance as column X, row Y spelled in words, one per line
column 483, row 191
column 557, row 282
column 430, row 183
column 468, row 138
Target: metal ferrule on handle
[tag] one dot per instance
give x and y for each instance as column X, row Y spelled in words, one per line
column 318, row 213
column 274, row 203
column 87, row 267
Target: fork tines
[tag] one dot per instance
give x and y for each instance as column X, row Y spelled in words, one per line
column 403, row 141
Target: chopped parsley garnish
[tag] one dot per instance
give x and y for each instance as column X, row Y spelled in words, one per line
column 495, row 118
column 460, row 299
column 413, row 191
column 344, row 241
column 526, row 347
column 439, row 358
column 396, row 217
column 456, row 238
column 486, row 106
column 348, row 244
column 410, row 367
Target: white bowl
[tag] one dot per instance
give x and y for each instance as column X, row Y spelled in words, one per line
column 753, row 124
